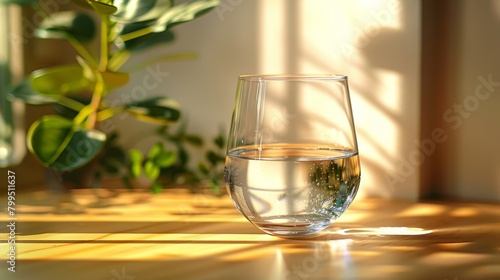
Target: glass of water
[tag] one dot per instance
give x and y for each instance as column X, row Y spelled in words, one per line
column 292, row 164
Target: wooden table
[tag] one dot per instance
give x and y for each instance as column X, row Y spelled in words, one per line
column 179, row 235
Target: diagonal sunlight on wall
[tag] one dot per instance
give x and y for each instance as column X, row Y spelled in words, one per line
column 375, row 43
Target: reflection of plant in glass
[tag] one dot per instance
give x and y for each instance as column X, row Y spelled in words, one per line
column 126, row 26
column 337, row 179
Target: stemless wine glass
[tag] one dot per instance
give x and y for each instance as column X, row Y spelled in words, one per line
column 292, row 165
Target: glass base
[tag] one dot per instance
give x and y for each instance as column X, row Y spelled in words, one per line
column 293, row 226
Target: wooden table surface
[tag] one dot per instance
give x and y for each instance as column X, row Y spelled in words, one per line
column 179, row 235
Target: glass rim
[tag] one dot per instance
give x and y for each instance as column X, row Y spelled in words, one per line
column 291, row 77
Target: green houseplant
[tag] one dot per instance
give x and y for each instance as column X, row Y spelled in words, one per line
column 105, row 33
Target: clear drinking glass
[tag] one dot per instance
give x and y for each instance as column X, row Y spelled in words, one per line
column 292, row 165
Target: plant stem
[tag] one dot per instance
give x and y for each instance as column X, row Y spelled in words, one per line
column 100, row 87
column 137, row 33
column 103, row 63
column 70, row 103
column 118, row 59
column 83, row 115
column 108, row 113
column 96, row 101
column 82, row 51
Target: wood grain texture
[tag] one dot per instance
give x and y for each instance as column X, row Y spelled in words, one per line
column 178, row 235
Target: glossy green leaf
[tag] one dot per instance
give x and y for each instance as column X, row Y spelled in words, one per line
column 67, row 25
column 82, row 148
column 180, row 13
column 140, row 10
column 47, row 135
column 57, row 143
column 184, row 12
column 103, row 7
column 156, row 109
column 59, row 80
column 25, row 92
column 19, row 2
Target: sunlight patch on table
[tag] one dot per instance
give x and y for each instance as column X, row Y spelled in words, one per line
column 422, row 210
column 452, row 259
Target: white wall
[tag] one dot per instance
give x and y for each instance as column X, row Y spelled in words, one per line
column 376, row 43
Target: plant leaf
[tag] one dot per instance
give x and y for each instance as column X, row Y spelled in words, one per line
column 25, row 92
column 151, row 170
column 194, row 140
column 165, row 159
column 214, row 158
column 114, row 80
column 57, row 143
column 59, row 80
column 102, row 7
column 220, row 141
column 47, row 135
column 19, row 2
column 177, row 14
column 140, row 10
column 183, row 155
column 184, row 12
column 82, row 148
column 155, row 150
column 135, row 156
column 203, row 169
column 156, row 109
column 136, row 162
column 136, row 170
column 83, row 4
column 160, row 157
column 67, row 25
column 111, row 79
